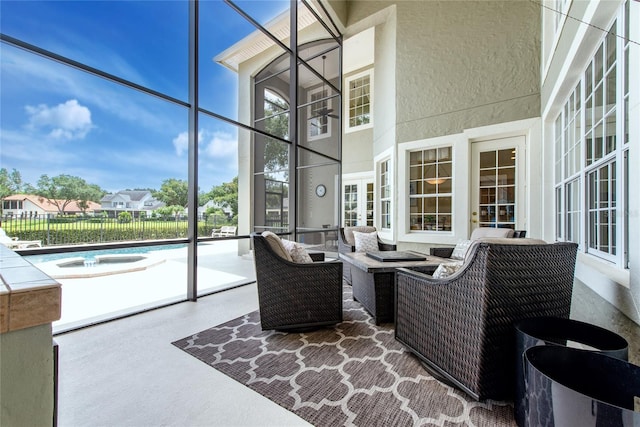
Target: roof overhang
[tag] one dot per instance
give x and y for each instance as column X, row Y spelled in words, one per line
column 257, row 42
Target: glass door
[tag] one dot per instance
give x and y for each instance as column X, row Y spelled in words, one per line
column 357, row 202
column 498, row 180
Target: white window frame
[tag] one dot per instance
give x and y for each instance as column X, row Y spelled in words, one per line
column 324, row 91
column 347, row 102
column 385, row 193
column 580, row 178
column 390, row 156
column 423, row 196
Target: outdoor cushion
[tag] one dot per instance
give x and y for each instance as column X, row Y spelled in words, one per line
column 461, row 249
column 348, row 232
column 366, row 242
column 297, row 252
column 446, row 269
column 481, row 232
column 503, row 241
column 276, row 245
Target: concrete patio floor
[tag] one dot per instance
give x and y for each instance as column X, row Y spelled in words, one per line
column 127, row 373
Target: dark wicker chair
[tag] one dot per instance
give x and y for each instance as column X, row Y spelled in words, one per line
column 461, row 326
column 296, row 295
column 346, row 244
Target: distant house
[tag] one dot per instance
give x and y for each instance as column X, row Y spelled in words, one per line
column 30, row 206
column 211, row 204
column 134, row 202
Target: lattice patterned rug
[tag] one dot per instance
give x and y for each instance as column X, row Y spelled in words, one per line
column 354, row 374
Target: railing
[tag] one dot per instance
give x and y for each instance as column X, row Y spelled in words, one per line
column 72, row 230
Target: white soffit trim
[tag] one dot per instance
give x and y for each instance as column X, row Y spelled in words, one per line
column 257, row 42
column 358, row 51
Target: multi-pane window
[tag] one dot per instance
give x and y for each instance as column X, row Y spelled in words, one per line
column 319, row 124
column 625, row 74
column 600, row 135
column 350, row 205
column 385, row 195
column 369, row 202
column 12, row 204
column 430, row 189
column 588, row 152
column 359, row 112
column 574, row 211
column 560, row 6
column 497, row 188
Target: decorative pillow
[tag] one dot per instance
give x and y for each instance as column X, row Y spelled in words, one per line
column 296, row 251
column 446, row 269
column 366, row 242
column 461, row 249
column 276, row 245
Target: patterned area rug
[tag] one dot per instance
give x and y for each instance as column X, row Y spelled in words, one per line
column 354, row 374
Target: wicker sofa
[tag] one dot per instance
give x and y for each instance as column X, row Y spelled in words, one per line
column 461, row 326
column 346, row 244
column 480, row 233
column 295, row 295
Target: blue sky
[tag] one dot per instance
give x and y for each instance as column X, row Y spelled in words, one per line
column 56, row 120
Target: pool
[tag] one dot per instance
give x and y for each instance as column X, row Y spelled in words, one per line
column 34, row 259
column 86, row 264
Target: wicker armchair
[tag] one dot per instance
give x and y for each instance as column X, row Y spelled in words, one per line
column 346, row 244
column 296, row 295
column 461, row 326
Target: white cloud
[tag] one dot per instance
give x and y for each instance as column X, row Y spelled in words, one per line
column 219, row 145
column 181, row 143
column 67, row 121
column 213, row 144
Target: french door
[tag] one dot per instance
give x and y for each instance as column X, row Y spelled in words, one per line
column 357, row 202
column 498, row 183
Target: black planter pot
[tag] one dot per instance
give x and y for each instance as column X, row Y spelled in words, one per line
column 571, row 387
column 556, row 332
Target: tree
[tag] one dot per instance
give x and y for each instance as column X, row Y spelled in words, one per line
column 10, row 183
column 167, row 212
column 226, row 195
column 62, row 190
column 276, row 153
column 173, row 192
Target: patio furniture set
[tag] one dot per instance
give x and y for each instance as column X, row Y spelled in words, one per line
column 461, row 325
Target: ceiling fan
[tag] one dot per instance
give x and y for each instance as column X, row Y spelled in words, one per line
column 324, row 111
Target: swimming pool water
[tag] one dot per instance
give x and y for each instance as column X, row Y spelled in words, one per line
column 34, row 259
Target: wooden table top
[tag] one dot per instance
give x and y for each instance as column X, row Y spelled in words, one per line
column 370, row 265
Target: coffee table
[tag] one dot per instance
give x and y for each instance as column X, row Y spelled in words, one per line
column 373, row 281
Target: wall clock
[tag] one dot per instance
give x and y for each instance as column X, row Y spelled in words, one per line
column 321, row 190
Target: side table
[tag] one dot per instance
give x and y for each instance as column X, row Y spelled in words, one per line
column 554, row 331
column 573, row 387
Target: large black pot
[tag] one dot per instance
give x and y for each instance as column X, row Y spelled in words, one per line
column 569, row 387
column 558, row 331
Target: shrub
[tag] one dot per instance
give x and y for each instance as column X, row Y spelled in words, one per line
column 124, row 217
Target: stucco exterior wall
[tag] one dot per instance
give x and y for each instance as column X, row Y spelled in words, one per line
column 451, row 73
column 456, row 73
